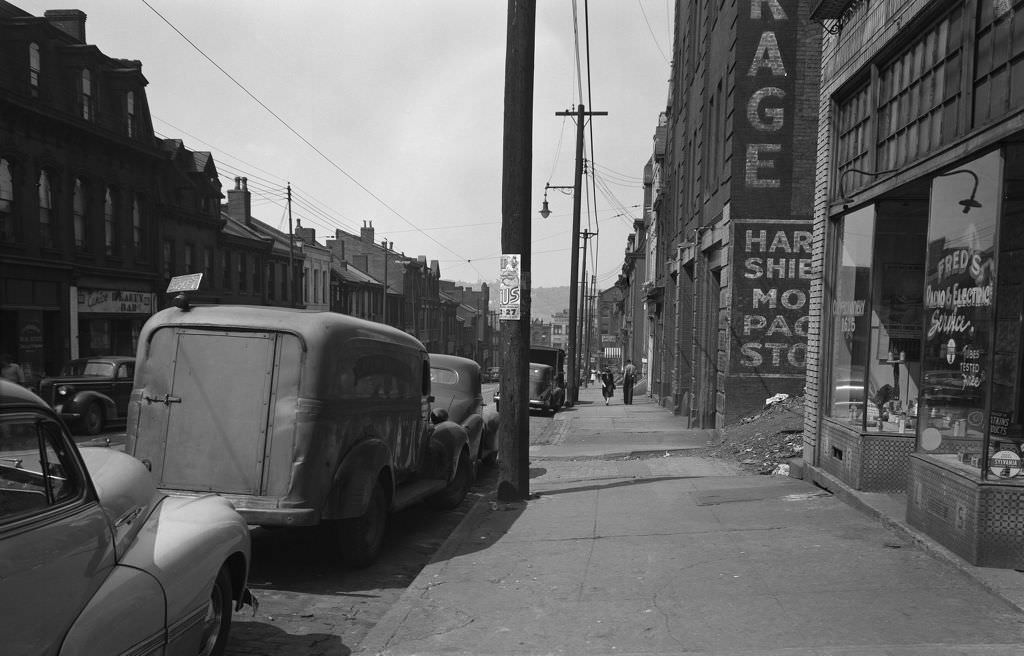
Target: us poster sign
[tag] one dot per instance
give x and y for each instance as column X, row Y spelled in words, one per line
column 509, row 290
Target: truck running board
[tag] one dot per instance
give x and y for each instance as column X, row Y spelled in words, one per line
column 417, row 491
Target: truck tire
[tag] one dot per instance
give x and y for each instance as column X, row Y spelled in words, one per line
column 455, row 492
column 360, row 538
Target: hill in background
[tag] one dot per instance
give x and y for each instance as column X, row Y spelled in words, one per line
column 546, row 300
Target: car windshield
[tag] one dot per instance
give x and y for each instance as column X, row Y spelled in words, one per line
column 443, row 376
column 92, row 368
column 538, row 373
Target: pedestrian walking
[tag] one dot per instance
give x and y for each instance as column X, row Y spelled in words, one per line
column 11, row 370
column 607, row 384
column 628, row 380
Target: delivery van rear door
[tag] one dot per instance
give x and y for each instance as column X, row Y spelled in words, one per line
column 213, row 415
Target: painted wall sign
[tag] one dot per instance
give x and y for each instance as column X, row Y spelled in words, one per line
column 766, row 32
column 113, row 301
column 771, row 289
column 510, row 289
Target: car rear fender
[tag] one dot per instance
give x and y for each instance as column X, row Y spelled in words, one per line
column 131, row 600
column 184, row 543
column 451, row 438
column 362, row 467
column 82, row 399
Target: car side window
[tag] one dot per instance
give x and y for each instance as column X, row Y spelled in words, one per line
column 37, row 470
column 126, row 370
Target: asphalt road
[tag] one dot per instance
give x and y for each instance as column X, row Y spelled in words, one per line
column 310, row 604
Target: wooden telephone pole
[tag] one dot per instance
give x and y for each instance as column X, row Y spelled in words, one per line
column 517, row 171
column 572, row 357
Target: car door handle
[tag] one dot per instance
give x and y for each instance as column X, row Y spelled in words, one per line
column 166, row 399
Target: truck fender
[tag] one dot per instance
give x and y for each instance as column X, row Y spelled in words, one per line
column 450, row 438
column 85, row 397
column 474, row 425
column 353, row 482
column 489, row 440
column 132, row 596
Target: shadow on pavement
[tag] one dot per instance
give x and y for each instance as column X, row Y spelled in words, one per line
column 608, row 486
column 272, row 640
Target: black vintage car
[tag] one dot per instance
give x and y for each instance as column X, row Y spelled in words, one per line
column 91, row 392
column 547, row 394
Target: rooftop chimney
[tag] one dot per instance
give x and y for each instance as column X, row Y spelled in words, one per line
column 366, row 232
column 240, row 201
column 69, row 21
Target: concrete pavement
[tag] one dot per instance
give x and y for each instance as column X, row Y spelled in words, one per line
column 632, row 548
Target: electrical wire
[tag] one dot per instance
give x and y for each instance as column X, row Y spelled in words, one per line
column 299, row 135
column 651, row 30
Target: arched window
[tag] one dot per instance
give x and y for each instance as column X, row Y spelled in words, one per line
column 6, row 201
column 109, row 223
column 46, row 213
column 33, row 68
column 79, row 211
column 85, row 98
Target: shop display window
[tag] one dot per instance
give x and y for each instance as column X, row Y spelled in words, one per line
column 960, row 300
column 877, row 316
column 850, row 297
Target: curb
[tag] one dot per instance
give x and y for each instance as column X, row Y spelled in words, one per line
column 374, row 643
column 997, row 581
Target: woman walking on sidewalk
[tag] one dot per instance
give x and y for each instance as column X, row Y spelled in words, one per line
column 607, row 384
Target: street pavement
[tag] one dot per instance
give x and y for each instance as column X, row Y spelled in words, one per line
column 629, row 546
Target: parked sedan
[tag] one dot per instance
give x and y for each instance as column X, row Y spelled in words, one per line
column 455, row 384
column 91, row 392
column 546, row 394
column 94, row 560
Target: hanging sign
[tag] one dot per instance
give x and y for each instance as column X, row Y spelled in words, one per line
column 510, row 290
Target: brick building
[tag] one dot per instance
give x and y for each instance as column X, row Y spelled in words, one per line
column 914, row 376
column 725, row 241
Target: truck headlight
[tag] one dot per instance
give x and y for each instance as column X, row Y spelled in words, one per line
column 63, row 390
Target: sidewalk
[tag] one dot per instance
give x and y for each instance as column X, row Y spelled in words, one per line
column 660, row 553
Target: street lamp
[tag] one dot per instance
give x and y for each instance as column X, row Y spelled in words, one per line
column 544, row 211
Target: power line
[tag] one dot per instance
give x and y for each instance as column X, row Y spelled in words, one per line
column 295, row 132
column 651, row 30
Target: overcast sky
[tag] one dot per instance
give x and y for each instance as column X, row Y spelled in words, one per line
column 404, row 99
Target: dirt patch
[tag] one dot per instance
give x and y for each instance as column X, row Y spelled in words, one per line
column 764, row 441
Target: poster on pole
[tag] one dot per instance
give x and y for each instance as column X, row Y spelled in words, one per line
column 510, row 291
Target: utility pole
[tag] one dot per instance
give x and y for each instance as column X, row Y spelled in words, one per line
column 591, row 311
column 583, row 353
column 517, row 170
column 291, row 251
column 574, row 282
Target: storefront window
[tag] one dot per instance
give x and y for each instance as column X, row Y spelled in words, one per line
column 877, row 314
column 851, row 331
column 896, row 312
column 959, row 305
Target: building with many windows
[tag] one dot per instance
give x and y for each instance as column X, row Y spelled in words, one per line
column 80, row 194
column 914, row 376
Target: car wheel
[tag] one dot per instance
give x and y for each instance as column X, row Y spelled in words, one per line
column 92, row 419
column 452, row 495
column 217, row 622
column 360, row 538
